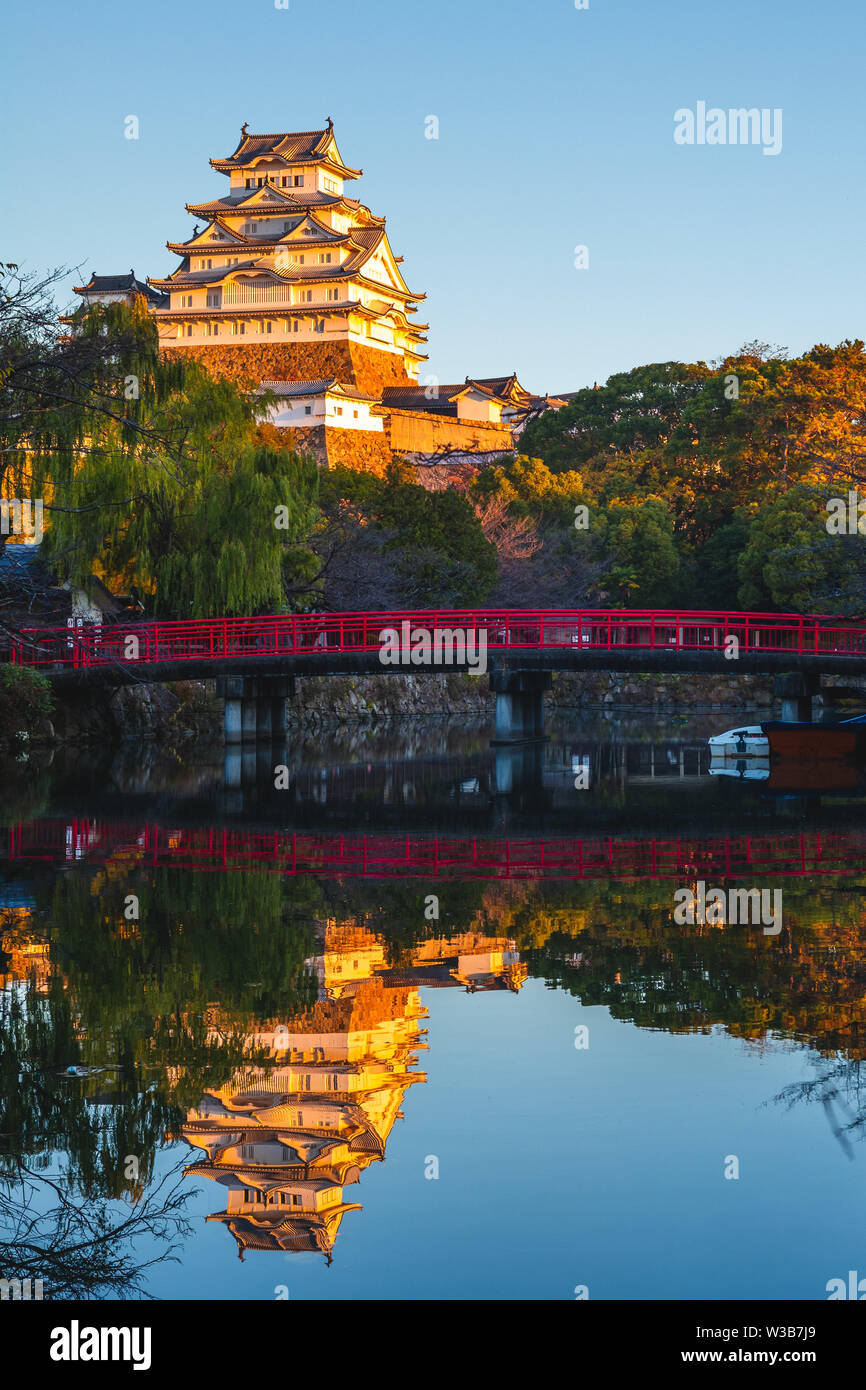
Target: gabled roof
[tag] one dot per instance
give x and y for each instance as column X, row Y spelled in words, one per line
column 115, row 284
column 295, row 147
column 317, row 387
column 233, row 203
column 501, row 389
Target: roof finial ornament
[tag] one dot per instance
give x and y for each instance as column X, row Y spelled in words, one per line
column 245, row 127
column 330, row 124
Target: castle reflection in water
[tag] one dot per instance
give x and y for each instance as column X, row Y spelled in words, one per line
column 286, row 1139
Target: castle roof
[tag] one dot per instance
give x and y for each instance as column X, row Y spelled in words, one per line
column 506, row 389
column 295, row 147
column 316, row 387
column 116, row 284
column 280, row 202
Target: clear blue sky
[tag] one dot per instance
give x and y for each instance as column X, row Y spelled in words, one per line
column 556, row 129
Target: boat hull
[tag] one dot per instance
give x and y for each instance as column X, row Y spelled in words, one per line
column 805, row 742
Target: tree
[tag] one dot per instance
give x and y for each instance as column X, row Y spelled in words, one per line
column 791, row 562
column 141, row 457
column 425, row 549
column 633, row 410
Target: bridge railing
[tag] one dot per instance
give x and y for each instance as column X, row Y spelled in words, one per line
column 310, row 634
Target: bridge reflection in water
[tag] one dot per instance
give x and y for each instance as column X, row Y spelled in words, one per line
column 292, row 853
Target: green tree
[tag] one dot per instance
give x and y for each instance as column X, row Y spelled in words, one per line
column 154, row 478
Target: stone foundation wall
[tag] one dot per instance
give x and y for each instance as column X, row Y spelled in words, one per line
column 248, row 363
column 365, row 450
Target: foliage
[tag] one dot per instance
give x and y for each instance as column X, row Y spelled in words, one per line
column 25, row 700
column 709, row 486
column 141, row 456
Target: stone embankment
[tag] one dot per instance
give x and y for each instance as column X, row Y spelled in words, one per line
column 186, row 710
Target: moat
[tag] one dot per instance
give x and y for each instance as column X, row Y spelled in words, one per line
column 391, row 1012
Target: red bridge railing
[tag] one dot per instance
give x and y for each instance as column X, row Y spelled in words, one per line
column 296, row 636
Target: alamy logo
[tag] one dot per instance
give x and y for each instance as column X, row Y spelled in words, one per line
column 846, row 517
column 76, row 1343
column 438, row 646
column 20, row 1290
column 736, row 907
column 737, row 126
column 856, row 1288
column 22, row 518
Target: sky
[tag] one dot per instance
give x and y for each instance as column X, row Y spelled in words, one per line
column 555, row 131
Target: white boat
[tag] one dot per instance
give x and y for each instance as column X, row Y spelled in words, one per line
column 749, row 741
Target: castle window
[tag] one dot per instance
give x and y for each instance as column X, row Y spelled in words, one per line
column 324, row 258
column 308, row 410
column 319, row 326
column 300, row 260
column 248, row 183
column 299, row 180
column 296, row 325
column 338, row 410
column 355, row 413
column 284, row 181
column 189, row 330
column 270, row 326
column 296, row 1199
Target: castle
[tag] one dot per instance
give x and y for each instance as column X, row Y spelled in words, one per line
column 290, row 285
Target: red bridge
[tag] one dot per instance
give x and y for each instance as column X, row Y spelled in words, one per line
column 257, row 658
column 311, row 640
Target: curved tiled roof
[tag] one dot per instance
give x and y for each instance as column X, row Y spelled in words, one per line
column 115, row 284
column 316, row 388
column 298, row 147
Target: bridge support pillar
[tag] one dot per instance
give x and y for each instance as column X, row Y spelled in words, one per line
column 264, row 724
column 248, row 718
column 231, row 690
column 255, row 707
column 519, row 704
column 279, row 721
column 232, row 721
column 796, row 691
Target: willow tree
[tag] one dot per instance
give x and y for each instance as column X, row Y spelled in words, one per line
column 153, row 478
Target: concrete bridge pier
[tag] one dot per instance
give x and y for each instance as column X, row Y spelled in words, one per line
column 796, row 691
column 255, row 707
column 519, row 704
